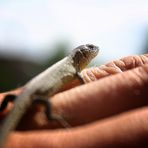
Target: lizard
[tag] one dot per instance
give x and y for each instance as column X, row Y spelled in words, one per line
column 46, row 84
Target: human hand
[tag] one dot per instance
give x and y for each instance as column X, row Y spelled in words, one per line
column 109, row 112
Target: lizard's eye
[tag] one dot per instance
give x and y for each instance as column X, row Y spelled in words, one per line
column 90, row 46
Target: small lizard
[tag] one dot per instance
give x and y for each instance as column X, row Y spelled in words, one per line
column 47, row 84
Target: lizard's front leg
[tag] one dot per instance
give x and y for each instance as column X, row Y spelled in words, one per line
column 79, row 76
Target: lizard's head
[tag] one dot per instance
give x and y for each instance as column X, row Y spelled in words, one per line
column 82, row 55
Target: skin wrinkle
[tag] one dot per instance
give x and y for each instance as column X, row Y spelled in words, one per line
column 116, row 65
column 94, row 73
column 120, row 64
column 101, row 73
column 144, row 58
column 88, row 76
column 85, row 75
column 134, row 61
column 91, row 75
column 111, row 69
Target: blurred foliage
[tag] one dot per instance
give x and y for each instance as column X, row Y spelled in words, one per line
column 15, row 72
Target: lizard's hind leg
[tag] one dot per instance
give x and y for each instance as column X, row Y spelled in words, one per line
column 51, row 116
column 8, row 98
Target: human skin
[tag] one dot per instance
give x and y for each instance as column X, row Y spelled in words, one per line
column 110, row 110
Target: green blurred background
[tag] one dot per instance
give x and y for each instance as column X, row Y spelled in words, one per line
column 35, row 34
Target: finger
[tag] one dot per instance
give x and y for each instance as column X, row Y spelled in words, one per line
column 114, row 67
column 125, row 130
column 103, row 98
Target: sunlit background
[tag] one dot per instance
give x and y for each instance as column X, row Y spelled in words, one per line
column 36, row 33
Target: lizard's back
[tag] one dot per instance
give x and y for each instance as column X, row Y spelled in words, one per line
column 51, row 80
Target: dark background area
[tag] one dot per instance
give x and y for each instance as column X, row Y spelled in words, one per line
column 15, row 72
